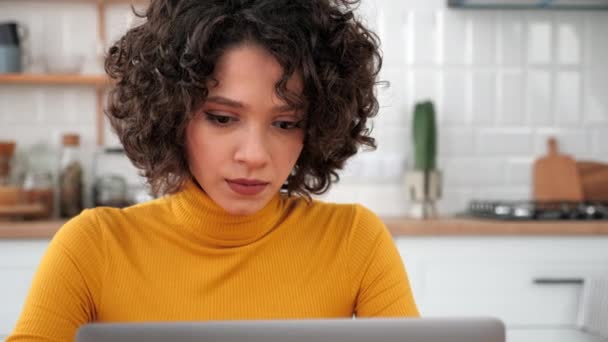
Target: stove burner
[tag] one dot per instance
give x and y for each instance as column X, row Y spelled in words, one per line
column 534, row 210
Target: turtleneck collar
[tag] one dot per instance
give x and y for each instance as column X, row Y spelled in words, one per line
column 201, row 217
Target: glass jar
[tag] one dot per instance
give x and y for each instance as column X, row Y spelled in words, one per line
column 38, row 188
column 70, row 177
column 7, row 148
column 111, row 191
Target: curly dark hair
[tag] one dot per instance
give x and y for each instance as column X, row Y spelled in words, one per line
column 162, row 67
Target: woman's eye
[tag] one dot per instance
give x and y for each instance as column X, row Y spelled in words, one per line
column 221, row 120
column 287, row 125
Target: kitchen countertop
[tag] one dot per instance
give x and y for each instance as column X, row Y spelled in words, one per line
column 398, row 226
column 460, row 226
column 29, row 229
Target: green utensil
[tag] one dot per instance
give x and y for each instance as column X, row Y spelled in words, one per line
column 424, row 131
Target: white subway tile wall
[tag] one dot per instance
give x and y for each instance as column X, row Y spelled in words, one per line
column 568, row 98
column 483, row 39
column 538, row 98
column 510, row 98
column 502, row 83
column 510, row 38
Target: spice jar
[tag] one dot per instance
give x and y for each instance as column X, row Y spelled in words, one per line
column 7, row 148
column 70, row 177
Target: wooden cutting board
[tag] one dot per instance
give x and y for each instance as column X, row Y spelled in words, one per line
column 556, row 177
column 594, row 180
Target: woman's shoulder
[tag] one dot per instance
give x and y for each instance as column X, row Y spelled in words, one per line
column 353, row 215
column 154, row 207
column 98, row 220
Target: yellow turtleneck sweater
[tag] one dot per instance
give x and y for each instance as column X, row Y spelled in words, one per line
column 183, row 258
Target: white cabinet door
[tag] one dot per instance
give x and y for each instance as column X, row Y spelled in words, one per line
column 549, row 335
column 495, row 276
column 18, row 263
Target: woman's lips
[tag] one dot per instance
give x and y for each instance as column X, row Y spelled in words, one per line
column 246, row 187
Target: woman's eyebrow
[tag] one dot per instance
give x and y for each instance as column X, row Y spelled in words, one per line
column 236, row 104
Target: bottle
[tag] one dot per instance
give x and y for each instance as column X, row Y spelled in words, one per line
column 70, row 177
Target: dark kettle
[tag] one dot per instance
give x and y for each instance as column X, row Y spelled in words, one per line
column 10, row 33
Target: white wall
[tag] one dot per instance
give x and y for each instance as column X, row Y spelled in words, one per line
column 502, row 81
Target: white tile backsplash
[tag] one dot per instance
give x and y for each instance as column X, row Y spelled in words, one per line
column 484, row 38
column 394, row 97
column 596, row 32
column 568, row 88
column 453, row 110
column 519, row 171
column 538, row 97
column 539, row 38
column 502, row 83
column 56, row 101
column 510, row 100
column 596, row 99
column 23, row 109
column 394, row 24
column 68, row 106
column 391, row 138
column 492, row 142
column 457, row 141
column 511, row 38
column 118, row 19
column 575, row 142
column 474, row 172
column 454, row 198
column 425, row 38
column 483, row 97
column 456, row 41
column 425, row 84
column 600, row 142
column 570, row 31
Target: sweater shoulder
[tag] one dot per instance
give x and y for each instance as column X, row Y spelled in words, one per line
column 355, row 213
column 83, row 229
column 320, row 210
column 152, row 210
column 354, row 219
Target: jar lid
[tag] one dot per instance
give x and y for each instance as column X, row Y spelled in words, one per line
column 71, row 139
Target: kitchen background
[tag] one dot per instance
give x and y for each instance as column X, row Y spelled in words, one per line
column 503, row 81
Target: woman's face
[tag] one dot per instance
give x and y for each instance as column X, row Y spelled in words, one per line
column 244, row 141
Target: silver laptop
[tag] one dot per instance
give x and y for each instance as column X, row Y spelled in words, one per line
column 331, row 330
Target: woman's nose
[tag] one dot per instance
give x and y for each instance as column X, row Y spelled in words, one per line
column 252, row 149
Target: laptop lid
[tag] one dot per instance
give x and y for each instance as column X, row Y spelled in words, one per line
column 330, row 330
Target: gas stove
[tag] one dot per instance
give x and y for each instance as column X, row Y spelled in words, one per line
column 535, row 210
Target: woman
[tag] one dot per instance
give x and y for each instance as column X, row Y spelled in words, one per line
column 235, row 111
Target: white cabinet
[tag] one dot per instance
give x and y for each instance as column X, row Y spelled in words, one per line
column 530, row 283
column 18, row 262
column 549, row 335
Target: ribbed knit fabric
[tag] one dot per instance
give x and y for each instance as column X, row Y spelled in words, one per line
column 183, row 258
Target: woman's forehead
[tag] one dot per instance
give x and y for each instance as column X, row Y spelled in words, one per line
column 248, row 64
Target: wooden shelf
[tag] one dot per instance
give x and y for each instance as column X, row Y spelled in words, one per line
column 98, row 81
column 57, row 79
